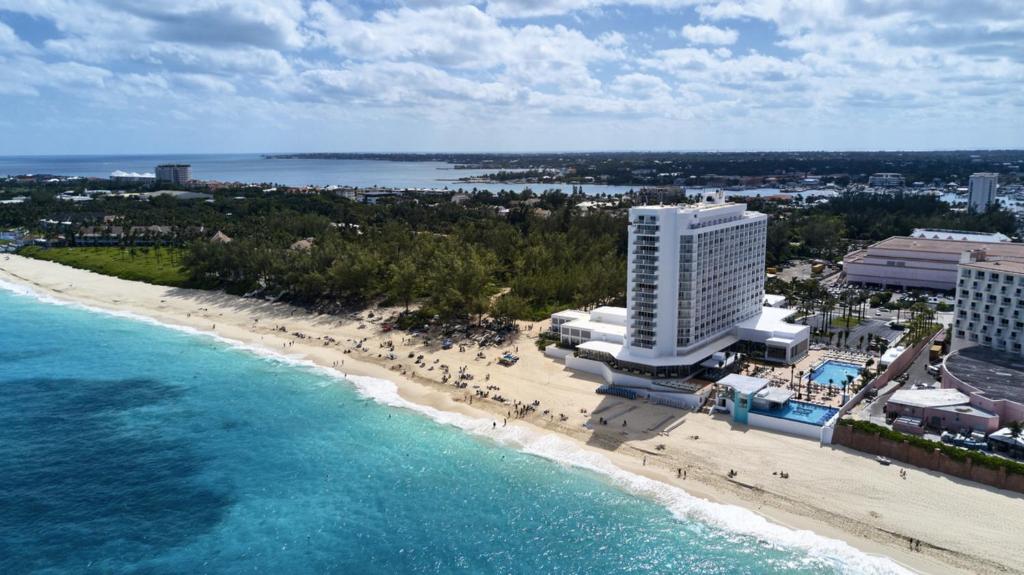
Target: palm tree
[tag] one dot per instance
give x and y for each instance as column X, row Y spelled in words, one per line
column 1015, row 429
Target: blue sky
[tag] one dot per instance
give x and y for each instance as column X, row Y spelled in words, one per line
column 149, row 76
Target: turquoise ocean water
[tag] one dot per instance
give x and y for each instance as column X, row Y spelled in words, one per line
column 128, row 447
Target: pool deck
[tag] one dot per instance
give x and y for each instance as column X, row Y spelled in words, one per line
column 792, row 413
column 780, row 377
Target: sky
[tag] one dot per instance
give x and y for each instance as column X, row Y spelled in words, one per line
column 156, row 76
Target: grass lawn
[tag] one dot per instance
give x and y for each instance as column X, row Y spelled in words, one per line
column 845, row 323
column 161, row 266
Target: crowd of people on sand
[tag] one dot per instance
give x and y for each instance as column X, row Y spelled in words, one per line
column 460, row 378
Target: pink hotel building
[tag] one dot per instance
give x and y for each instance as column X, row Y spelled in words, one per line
column 912, row 262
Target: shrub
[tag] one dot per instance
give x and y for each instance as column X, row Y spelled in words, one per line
column 952, row 451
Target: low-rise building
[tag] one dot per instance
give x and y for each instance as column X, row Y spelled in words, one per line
column 601, row 324
column 908, row 262
column 177, row 194
column 120, row 176
column 120, row 235
column 959, row 235
column 752, row 401
column 992, row 379
column 886, row 180
column 917, row 410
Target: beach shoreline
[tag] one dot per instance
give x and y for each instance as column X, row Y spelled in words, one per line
column 963, row 526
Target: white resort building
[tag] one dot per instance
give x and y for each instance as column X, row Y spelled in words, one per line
column 989, row 303
column 695, row 298
column 981, row 195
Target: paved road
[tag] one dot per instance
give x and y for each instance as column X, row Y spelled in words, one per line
column 916, row 373
column 871, row 325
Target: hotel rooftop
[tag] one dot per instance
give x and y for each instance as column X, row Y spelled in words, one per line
column 913, row 262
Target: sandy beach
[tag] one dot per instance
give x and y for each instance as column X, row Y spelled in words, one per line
column 963, row 527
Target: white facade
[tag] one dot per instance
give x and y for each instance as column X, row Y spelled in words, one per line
column 989, row 304
column 695, row 288
column 179, row 174
column 600, row 324
column 886, row 180
column 694, row 273
column 958, row 235
column 982, row 191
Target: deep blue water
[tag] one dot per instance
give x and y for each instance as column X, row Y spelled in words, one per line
column 127, row 447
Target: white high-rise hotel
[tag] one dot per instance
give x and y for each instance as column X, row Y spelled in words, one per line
column 693, row 275
column 695, row 290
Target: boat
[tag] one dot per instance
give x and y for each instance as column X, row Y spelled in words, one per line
column 883, row 460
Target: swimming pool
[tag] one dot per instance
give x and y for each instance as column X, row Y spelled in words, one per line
column 836, row 371
column 800, row 411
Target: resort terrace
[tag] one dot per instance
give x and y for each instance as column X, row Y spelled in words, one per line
column 800, row 377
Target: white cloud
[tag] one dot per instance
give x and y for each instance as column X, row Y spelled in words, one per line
column 208, row 83
column 441, row 61
column 704, row 34
column 10, row 43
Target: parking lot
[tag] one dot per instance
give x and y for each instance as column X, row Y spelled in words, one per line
column 870, row 326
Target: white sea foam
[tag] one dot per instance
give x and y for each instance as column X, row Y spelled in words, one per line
column 730, row 518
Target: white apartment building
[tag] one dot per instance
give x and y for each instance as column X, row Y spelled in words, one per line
column 989, row 303
column 695, row 289
column 981, row 191
column 179, row 174
column 886, row 180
